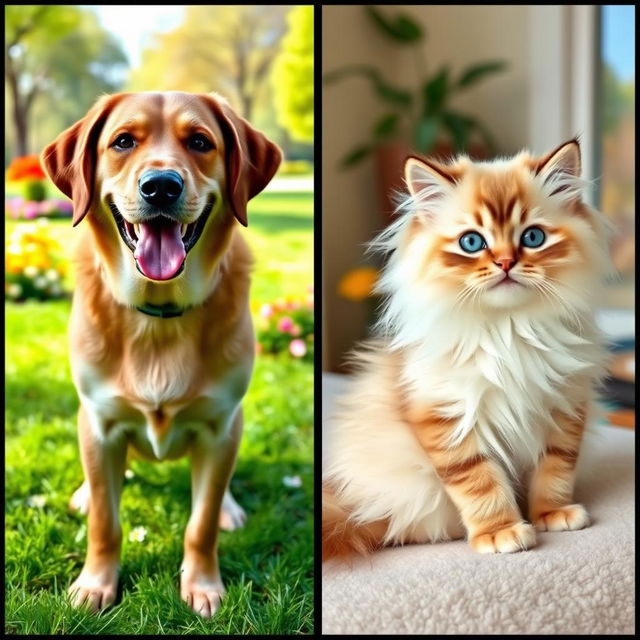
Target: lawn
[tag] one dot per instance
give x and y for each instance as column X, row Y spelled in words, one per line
column 267, row 566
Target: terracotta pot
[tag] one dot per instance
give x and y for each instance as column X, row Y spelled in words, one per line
column 389, row 161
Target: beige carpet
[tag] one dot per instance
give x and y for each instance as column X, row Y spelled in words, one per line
column 578, row 582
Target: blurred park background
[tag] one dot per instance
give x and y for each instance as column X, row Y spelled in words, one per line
column 58, row 60
column 485, row 79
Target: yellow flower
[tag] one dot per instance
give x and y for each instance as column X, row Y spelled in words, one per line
column 14, row 263
column 357, row 284
column 31, row 271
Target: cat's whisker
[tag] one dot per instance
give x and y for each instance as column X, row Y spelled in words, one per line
column 563, row 303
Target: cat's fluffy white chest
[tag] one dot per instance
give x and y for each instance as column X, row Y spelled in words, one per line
column 503, row 380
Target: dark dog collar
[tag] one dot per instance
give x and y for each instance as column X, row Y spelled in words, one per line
column 168, row 310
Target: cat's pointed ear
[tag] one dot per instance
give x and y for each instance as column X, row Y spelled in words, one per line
column 426, row 178
column 562, row 161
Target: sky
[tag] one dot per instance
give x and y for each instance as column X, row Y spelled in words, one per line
column 134, row 24
column 618, row 39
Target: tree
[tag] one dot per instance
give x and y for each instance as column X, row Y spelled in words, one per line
column 57, row 54
column 292, row 76
column 228, row 49
column 618, row 98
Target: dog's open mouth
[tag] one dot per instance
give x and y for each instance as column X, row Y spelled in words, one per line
column 160, row 245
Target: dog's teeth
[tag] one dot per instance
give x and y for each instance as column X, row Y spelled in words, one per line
column 184, row 229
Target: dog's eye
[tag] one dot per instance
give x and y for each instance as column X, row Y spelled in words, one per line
column 124, row 141
column 200, row 142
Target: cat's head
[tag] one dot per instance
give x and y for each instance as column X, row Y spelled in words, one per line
column 507, row 234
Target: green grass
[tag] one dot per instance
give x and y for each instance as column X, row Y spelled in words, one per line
column 267, row 566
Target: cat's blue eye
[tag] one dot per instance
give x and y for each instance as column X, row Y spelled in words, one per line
column 472, row 241
column 533, row 237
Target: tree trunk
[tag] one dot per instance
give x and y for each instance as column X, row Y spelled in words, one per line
column 19, row 115
column 247, row 105
column 20, row 123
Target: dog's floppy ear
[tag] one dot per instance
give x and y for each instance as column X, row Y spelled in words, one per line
column 251, row 158
column 70, row 160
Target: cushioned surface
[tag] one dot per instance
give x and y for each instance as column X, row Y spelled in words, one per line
column 580, row 582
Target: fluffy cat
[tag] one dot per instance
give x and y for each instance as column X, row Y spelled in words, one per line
column 480, row 380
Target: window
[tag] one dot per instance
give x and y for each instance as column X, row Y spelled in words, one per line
column 615, row 143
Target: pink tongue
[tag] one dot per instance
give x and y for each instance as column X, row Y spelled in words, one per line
column 159, row 251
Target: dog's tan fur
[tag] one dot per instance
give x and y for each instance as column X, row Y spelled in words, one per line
column 149, row 384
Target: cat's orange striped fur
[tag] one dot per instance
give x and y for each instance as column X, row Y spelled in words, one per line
column 481, row 379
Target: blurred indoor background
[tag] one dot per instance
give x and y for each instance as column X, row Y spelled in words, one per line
column 491, row 79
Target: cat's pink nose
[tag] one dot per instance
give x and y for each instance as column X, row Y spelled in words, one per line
column 505, row 262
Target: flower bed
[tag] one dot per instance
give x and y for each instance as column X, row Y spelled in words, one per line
column 27, row 173
column 34, row 263
column 20, row 209
column 287, row 325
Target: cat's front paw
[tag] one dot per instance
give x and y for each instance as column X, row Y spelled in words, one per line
column 515, row 537
column 569, row 518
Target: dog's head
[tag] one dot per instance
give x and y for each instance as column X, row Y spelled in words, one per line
column 161, row 177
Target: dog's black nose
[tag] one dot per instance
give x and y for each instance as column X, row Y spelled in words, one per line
column 160, row 188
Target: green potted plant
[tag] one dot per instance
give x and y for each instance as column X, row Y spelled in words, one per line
column 419, row 119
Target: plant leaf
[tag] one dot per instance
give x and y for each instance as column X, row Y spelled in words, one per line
column 386, row 125
column 349, row 70
column 476, row 72
column 436, row 92
column 390, row 94
column 426, row 133
column 356, row 156
column 459, row 127
column 401, row 28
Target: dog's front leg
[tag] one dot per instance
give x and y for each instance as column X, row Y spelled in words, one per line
column 103, row 461
column 212, row 461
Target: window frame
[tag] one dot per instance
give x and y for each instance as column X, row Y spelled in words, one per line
column 563, row 82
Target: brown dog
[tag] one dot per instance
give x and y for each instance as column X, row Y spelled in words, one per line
column 161, row 338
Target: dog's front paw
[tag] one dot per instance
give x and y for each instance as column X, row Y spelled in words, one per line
column 203, row 594
column 516, row 537
column 569, row 518
column 96, row 591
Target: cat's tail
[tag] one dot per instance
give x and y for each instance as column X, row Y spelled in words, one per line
column 341, row 536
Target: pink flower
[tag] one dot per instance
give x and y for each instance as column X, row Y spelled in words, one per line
column 65, row 206
column 266, row 310
column 297, row 348
column 31, row 209
column 296, row 330
column 14, row 205
column 46, row 207
column 285, row 324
